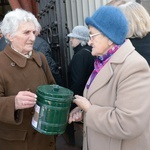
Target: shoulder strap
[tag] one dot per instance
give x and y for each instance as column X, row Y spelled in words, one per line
column 87, row 50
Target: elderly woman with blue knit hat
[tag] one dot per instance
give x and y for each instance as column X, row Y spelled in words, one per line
column 115, row 105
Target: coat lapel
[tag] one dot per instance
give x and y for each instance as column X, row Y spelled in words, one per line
column 19, row 59
column 101, row 79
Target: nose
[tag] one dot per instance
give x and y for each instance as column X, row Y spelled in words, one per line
column 32, row 36
column 89, row 42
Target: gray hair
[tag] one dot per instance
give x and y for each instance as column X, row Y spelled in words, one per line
column 12, row 20
column 83, row 42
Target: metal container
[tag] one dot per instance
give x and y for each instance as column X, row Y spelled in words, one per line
column 52, row 109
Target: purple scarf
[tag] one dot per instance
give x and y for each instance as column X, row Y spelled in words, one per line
column 100, row 61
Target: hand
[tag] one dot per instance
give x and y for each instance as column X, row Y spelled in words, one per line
column 76, row 115
column 25, row 99
column 82, row 102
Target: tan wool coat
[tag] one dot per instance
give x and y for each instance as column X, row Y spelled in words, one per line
column 119, row 118
column 18, row 73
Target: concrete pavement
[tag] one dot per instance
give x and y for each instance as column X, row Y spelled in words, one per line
column 62, row 141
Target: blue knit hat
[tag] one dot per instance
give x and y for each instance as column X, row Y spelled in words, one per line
column 111, row 22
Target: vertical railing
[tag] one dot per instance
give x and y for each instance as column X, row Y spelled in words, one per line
column 52, row 17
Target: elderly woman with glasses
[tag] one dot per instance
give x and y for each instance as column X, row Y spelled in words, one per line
column 115, row 105
column 21, row 73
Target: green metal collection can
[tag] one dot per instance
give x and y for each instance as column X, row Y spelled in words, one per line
column 52, row 109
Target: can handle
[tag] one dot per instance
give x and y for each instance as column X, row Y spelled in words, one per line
column 56, row 88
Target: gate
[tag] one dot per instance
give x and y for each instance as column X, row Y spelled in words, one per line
column 52, row 17
column 57, row 18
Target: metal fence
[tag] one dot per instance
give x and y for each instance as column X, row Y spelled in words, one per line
column 58, row 17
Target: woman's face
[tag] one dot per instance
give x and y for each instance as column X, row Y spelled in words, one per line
column 74, row 42
column 24, row 38
column 100, row 43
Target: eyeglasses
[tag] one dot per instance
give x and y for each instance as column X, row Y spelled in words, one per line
column 95, row 34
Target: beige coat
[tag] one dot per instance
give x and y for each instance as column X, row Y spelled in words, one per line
column 18, row 73
column 119, row 118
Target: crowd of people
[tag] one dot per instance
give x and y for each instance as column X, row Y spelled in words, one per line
column 109, row 75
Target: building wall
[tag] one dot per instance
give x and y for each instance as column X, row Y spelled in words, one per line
column 146, row 4
column 78, row 10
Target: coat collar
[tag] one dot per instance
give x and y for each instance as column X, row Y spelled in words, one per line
column 19, row 59
column 107, row 71
column 79, row 48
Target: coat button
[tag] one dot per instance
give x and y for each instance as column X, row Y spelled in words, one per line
column 13, row 64
column 32, row 111
column 51, row 144
column 34, row 132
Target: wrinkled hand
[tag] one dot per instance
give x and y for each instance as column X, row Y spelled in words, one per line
column 75, row 115
column 82, row 102
column 25, row 99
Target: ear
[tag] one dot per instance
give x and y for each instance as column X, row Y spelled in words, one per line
column 9, row 37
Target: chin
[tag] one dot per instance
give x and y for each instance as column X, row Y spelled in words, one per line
column 30, row 48
column 93, row 53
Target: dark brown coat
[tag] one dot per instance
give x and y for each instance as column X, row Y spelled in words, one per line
column 18, row 73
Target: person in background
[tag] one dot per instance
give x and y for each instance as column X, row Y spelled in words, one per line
column 139, row 27
column 115, row 105
column 2, row 43
column 2, row 39
column 81, row 64
column 20, row 74
column 41, row 45
column 1, row 35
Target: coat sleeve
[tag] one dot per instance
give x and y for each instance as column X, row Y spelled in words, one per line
column 8, row 114
column 82, row 65
column 47, row 70
column 129, row 115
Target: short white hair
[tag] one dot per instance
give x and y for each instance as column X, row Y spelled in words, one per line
column 12, row 20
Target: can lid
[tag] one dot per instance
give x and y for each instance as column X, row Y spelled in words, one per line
column 54, row 92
